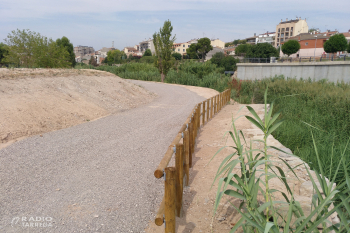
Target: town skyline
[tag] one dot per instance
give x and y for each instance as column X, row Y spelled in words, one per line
column 129, row 23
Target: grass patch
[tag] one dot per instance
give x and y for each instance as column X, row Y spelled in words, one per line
column 322, row 104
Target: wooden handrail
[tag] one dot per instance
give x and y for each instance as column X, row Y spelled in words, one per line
column 171, row 204
column 159, row 172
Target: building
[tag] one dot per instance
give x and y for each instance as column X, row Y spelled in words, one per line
column 212, row 52
column 230, row 51
column 310, row 44
column 347, row 35
column 290, row 28
column 104, row 51
column 217, row 43
column 252, row 40
column 181, row 47
column 82, row 50
column 147, row 44
column 268, row 37
column 130, row 50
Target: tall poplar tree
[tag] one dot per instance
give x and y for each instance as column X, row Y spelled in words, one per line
column 163, row 45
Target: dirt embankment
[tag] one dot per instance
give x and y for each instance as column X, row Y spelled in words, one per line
column 35, row 101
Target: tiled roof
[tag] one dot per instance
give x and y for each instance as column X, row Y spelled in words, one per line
column 308, row 36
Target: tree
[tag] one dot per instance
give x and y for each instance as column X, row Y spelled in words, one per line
column 227, row 62
column 217, row 58
column 204, row 46
column 313, row 30
column 192, row 52
column 163, row 43
column 3, row 52
column 177, row 56
column 65, row 43
column 93, row 61
column 290, row 47
column 262, row 50
column 147, row 53
column 30, row 49
column 200, row 49
column 114, row 56
column 335, row 44
column 242, row 49
column 349, row 47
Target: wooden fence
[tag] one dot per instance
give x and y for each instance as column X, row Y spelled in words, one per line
column 178, row 176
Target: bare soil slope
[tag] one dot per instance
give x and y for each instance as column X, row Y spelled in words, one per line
column 34, row 101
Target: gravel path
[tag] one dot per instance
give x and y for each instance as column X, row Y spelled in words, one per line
column 93, row 177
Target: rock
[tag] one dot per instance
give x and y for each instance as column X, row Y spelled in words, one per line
column 307, row 189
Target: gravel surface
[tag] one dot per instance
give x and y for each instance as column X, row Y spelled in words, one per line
column 96, row 176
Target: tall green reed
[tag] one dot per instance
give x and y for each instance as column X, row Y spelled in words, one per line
column 263, row 216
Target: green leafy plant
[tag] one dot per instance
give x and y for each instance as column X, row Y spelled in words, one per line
column 263, row 216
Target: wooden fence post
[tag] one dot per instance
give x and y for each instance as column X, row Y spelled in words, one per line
column 190, row 128
column 179, row 165
column 203, row 116
column 221, row 100
column 187, row 156
column 195, row 124
column 199, row 116
column 208, row 110
column 211, row 107
column 169, row 196
column 215, row 104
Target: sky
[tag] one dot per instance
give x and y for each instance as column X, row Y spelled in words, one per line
column 128, row 22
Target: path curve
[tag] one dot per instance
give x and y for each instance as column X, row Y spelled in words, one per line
column 96, row 176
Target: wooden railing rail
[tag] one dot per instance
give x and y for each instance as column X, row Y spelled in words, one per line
column 177, row 177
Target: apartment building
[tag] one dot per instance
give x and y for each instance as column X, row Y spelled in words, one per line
column 268, row 37
column 252, row 40
column 82, row 50
column 130, row 50
column 181, row 47
column 290, row 28
column 147, row 44
column 217, row 43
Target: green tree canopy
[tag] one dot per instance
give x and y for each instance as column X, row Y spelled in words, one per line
column 262, row 50
column 204, row 46
column 200, row 49
column 64, row 42
column 192, row 52
column 335, row 44
column 227, row 62
column 115, row 56
column 177, row 56
column 242, row 49
column 290, row 47
column 30, row 49
column 349, row 47
column 163, row 43
column 147, row 53
column 313, row 30
column 3, row 52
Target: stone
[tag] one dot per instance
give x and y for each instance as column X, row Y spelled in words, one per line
column 307, row 189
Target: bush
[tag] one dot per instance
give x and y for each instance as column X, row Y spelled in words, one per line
column 226, row 62
column 187, row 73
